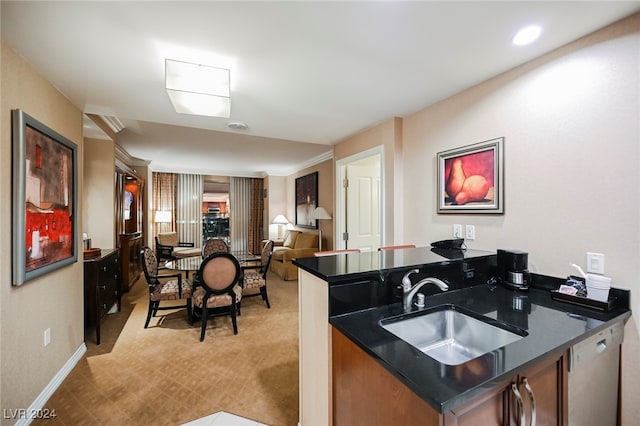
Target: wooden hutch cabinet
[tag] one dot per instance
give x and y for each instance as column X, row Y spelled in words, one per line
column 130, row 246
column 130, row 222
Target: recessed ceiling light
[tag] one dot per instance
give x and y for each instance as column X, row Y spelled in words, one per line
column 527, row 35
column 237, row 125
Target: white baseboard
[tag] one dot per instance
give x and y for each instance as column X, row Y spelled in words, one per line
column 36, row 407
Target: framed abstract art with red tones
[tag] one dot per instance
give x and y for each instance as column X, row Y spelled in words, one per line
column 44, row 211
column 471, row 178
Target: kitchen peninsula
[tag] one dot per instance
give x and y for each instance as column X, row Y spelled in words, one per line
column 351, row 369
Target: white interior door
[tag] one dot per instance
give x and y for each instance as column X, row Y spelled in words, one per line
column 363, row 197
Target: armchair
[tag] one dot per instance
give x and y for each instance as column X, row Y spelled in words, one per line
column 168, row 247
column 296, row 245
column 163, row 287
column 255, row 276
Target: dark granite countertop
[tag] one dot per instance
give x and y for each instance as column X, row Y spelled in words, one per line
column 552, row 327
column 355, row 265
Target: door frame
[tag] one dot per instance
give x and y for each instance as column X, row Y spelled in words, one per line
column 340, row 214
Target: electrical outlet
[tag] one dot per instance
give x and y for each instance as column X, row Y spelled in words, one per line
column 595, row 263
column 471, row 232
column 457, row 230
column 47, row 337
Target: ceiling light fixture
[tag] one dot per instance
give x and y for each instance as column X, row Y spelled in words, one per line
column 527, row 35
column 198, row 89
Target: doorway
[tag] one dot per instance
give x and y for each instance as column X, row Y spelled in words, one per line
column 359, row 186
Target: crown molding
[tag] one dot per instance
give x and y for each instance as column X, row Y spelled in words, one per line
column 123, row 155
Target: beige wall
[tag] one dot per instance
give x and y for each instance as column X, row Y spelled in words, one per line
column 389, row 136
column 54, row 300
column 275, row 203
column 572, row 139
column 326, row 175
column 99, row 192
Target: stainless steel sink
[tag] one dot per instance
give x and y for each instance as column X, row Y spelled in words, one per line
column 450, row 334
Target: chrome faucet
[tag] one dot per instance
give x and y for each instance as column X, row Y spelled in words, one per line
column 409, row 290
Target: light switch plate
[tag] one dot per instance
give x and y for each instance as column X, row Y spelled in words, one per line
column 471, row 232
column 595, row 263
column 457, row 230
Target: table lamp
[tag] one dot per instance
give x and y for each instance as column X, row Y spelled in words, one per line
column 280, row 220
column 320, row 213
column 162, row 216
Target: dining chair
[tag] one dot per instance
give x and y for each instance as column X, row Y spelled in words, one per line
column 214, row 245
column 255, row 276
column 334, row 252
column 163, row 287
column 398, row 247
column 219, row 292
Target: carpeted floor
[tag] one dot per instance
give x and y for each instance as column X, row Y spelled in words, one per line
column 164, row 375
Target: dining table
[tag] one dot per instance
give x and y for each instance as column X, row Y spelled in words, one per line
column 191, row 264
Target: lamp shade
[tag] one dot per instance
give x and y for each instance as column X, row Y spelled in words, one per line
column 162, row 216
column 280, row 220
column 320, row 213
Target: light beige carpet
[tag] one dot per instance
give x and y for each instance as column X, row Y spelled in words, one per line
column 164, row 375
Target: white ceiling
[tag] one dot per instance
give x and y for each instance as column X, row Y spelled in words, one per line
column 305, row 75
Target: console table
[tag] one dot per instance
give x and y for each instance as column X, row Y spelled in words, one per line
column 101, row 287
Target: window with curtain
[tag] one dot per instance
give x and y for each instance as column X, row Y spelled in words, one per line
column 246, row 206
column 164, row 199
column 189, row 208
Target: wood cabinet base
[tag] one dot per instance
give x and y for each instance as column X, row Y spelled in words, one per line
column 364, row 392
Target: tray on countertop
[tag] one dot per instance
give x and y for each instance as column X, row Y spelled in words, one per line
column 585, row 301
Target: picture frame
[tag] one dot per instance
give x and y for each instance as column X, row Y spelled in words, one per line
column 44, row 202
column 471, row 178
column 306, row 200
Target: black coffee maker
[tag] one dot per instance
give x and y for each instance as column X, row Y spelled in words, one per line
column 513, row 269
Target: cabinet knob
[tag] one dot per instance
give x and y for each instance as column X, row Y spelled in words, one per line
column 104, row 306
column 103, row 287
column 104, row 268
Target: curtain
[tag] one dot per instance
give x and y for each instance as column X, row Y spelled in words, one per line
column 256, row 208
column 246, row 207
column 189, row 208
column 239, row 201
column 164, row 199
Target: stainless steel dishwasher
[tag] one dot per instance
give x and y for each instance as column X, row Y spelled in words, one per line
column 593, row 378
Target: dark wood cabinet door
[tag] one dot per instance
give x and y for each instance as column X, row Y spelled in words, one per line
column 101, row 287
column 545, row 386
column 487, row 409
column 364, row 393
